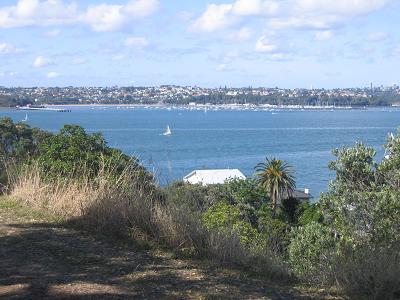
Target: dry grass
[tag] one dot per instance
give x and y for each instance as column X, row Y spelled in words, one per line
column 370, row 273
column 119, row 205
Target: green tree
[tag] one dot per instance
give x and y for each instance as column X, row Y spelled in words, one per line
column 388, row 171
column 18, row 143
column 73, row 152
column 247, row 195
column 276, row 176
column 363, row 203
column 355, row 169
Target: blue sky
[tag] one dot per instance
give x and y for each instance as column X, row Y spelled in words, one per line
column 285, row 43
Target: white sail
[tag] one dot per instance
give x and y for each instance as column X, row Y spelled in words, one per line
column 167, row 131
column 26, row 118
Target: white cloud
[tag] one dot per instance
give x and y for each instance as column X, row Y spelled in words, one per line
column 52, row 75
column 8, row 74
column 255, row 7
column 226, row 57
column 141, row 8
column 306, row 22
column 104, row 17
column 118, row 57
column 53, row 32
column 35, row 12
column 100, row 17
column 78, row 60
column 247, row 7
column 6, row 48
column 338, row 7
column 136, row 42
column 327, row 14
column 323, row 35
column 377, row 36
column 107, row 17
column 42, row 61
column 223, row 68
column 396, row 50
column 215, row 17
column 264, row 45
column 303, row 14
column 241, row 35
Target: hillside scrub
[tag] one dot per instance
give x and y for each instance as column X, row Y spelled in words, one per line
column 349, row 239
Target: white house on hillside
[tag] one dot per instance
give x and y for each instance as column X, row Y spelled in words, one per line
column 213, row 176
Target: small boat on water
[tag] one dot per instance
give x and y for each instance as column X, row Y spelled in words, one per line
column 26, row 118
column 391, row 138
column 167, row 131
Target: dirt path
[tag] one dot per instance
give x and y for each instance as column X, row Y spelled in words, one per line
column 41, row 259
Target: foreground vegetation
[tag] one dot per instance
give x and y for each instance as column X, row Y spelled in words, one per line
column 46, row 257
column 349, row 239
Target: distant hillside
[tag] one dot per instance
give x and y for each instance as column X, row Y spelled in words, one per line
column 7, row 101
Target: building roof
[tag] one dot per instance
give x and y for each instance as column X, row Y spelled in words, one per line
column 213, row 176
column 301, row 195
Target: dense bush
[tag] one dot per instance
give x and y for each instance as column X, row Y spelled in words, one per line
column 309, row 212
column 73, row 150
column 196, row 197
column 362, row 208
column 311, row 251
column 18, row 144
column 225, row 217
column 70, row 152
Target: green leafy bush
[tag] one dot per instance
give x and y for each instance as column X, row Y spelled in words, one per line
column 73, row 152
column 310, row 251
column 307, row 213
column 18, row 143
column 274, row 230
column 247, row 195
column 227, row 218
column 196, row 197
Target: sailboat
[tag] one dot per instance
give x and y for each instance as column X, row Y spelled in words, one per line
column 391, row 139
column 26, row 118
column 167, row 131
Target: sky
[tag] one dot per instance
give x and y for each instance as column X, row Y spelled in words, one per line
column 238, row 43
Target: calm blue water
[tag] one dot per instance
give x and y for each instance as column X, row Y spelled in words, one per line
column 228, row 139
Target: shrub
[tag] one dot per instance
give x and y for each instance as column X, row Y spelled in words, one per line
column 196, row 197
column 369, row 273
column 310, row 251
column 18, row 143
column 73, row 150
column 123, row 205
column 308, row 213
column 225, row 218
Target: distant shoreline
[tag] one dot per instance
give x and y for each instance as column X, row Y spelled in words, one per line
column 226, row 106
column 271, row 106
column 267, row 107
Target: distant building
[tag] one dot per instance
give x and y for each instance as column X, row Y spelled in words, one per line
column 217, row 176
column 302, row 195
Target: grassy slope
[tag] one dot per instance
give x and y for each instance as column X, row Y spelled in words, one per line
column 43, row 257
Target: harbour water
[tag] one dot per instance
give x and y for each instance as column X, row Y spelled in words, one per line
column 207, row 139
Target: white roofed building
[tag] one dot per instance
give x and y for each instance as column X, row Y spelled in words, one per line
column 217, row 176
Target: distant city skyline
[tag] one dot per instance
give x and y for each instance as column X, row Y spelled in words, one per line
column 237, row 43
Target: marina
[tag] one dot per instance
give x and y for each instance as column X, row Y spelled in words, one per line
column 42, row 108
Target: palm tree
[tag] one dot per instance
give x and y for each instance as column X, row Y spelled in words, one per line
column 276, row 176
